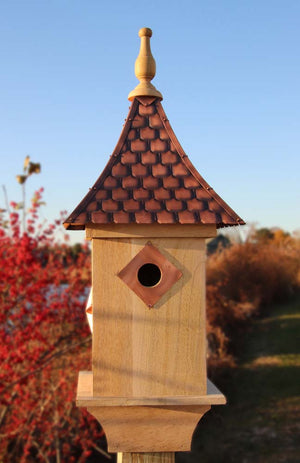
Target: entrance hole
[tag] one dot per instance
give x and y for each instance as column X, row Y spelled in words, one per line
column 149, row 275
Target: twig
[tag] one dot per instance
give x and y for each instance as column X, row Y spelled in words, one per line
column 24, row 207
column 101, row 451
column 40, row 451
column 6, row 198
column 41, row 367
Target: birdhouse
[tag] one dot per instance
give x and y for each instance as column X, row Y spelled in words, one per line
column 148, row 216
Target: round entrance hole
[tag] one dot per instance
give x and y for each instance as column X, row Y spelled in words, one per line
column 149, row 275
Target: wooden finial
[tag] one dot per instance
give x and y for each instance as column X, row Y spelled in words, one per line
column 145, row 68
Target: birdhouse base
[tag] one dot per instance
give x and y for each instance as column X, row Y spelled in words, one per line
column 147, row 424
column 149, row 457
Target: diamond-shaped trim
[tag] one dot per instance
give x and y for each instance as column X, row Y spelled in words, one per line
column 169, row 275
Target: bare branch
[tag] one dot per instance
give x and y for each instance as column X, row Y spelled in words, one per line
column 101, row 451
column 6, row 198
column 47, row 361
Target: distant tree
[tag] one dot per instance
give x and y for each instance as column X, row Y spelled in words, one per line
column 281, row 237
column 218, row 243
column 263, row 235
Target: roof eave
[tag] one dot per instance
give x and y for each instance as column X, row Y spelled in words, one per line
column 81, row 226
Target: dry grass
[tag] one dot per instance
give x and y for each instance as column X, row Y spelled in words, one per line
column 261, row 422
column 242, row 281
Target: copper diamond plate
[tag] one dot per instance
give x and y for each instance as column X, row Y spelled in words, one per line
column 169, row 275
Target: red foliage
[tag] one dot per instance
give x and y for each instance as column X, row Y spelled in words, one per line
column 45, row 340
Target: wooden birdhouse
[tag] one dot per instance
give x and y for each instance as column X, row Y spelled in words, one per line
column 148, row 216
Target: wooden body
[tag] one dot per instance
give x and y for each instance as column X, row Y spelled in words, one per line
column 139, row 351
column 148, row 387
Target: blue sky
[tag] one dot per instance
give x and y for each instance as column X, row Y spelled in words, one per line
column 228, row 71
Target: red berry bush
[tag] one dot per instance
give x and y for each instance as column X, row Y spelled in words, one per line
column 45, row 341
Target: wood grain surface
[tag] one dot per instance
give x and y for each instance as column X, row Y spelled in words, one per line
column 159, row 457
column 142, row 352
column 150, row 231
column 85, row 397
column 148, row 428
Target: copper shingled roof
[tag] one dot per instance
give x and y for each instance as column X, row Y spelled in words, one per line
column 149, row 179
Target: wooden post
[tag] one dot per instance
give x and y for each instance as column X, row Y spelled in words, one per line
column 158, row 457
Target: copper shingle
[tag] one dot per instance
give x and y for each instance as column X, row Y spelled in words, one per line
column 93, row 206
column 169, row 158
column 143, row 217
column 119, row 194
column 158, row 146
column 165, row 217
column 196, row 205
column 139, row 121
column 179, row 170
column 109, row 205
column 147, row 133
column 131, row 205
column 119, row 170
column 129, row 158
column 171, row 182
column 186, row 217
column 139, row 170
column 102, row 194
column 161, row 193
column 149, row 179
column 146, row 110
column 149, row 158
column 138, row 145
column 121, row 217
column 110, row 183
column 151, row 183
column 141, row 193
column 152, row 205
column 173, row 205
column 183, row 193
column 99, row 217
column 130, row 183
column 160, row 170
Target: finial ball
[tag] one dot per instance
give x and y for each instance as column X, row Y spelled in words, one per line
column 145, row 31
column 145, row 68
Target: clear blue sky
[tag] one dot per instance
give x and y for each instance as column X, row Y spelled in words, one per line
column 228, row 71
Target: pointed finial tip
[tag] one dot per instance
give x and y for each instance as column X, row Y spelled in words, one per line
column 145, row 32
column 145, row 68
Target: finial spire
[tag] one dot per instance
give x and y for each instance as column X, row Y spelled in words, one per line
column 145, row 68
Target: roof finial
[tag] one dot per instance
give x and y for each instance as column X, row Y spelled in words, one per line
column 145, row 68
